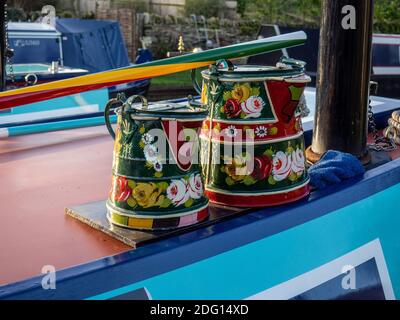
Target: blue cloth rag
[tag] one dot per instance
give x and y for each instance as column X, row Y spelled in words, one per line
column 334, row 167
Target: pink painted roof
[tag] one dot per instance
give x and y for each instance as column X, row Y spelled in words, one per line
column 41, row 174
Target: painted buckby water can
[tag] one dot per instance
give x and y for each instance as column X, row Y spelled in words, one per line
column 156, row 178
column 252, row 141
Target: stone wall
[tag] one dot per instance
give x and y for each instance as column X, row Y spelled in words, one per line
column 160, row 7
column 164, row 33
column 168, row 7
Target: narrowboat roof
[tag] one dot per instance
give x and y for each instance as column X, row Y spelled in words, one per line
column 44, row 173
column 28, row 27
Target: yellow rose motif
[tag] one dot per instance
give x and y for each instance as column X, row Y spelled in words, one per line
column 230, row 170
column 237, row 168
column 203, row 98
column 241, row 92
column 147, row 195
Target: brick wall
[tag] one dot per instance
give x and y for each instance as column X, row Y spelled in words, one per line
column 129, row 23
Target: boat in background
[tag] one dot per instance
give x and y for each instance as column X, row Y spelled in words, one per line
column 43, row 53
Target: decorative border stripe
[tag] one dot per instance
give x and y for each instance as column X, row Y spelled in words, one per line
column 160, row 223
column 273, row 199
column 252, row 194
column 283, row 131
column 286, row 138
column 131, row 214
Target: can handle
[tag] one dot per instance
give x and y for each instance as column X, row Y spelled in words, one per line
column 109, row 104
column 293, row 62
column 223, row 63
column 194, row 104
column 195, row 83
column 131, row 100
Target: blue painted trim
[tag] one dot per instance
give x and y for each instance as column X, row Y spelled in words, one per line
column 66, row 118
column 58, row 125
column 126, row 268
column 54, row 119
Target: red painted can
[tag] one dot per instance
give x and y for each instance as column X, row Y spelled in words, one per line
column 252, row 144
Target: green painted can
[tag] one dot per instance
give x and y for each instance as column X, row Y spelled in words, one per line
column 156, row 177
column 252, row 141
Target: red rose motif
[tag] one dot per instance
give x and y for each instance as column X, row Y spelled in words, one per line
column 232, row 108
column 262, row 167
column 122, row 189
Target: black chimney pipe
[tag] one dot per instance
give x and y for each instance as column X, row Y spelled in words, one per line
column 344, row 68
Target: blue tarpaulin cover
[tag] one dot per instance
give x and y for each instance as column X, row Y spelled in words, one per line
column 95, row 45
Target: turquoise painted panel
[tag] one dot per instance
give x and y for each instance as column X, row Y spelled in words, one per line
column 255, row 267
column 33, row 67
column 99, row 97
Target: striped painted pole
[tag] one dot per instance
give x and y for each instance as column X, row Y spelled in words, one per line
column 55, row 89
column 53, row 126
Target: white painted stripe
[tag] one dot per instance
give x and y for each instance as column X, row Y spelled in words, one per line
column 387, row 70
column 16, row 36
column 329, row 271
column 386, row 40
column 41, row 115
column 3, row 133
column 375, row 103
column 386, row 35
column 252, row 142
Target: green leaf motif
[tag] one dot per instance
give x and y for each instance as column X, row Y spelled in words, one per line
column 227, row 95
column 255, row 91
column 296, row 92
column 158, row 174
column 189, row 203
column 293, row 177
column 149, row 165
column 163, row 185
column 166, row 203
column 249, row 180
column 131, row 202
column 229, row 181
column 271, row 180
column 269, row 153
column 131, row 184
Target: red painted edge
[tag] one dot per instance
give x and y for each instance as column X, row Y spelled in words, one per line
column 31, row 97
column 237, row 200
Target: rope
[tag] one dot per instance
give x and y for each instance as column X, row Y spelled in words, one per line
column 393, row 130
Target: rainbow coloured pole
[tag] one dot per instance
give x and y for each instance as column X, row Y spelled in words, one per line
column 50, row 90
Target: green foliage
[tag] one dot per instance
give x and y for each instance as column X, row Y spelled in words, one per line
column 16, row 14
column 207, row 8
column 387, row 16
column 307, row 13
column 66, row 14
column 241, row 6
column 289, row 12
column 31, row 5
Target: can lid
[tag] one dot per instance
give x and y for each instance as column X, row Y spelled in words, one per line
column 168, row 110
column 227, row 71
